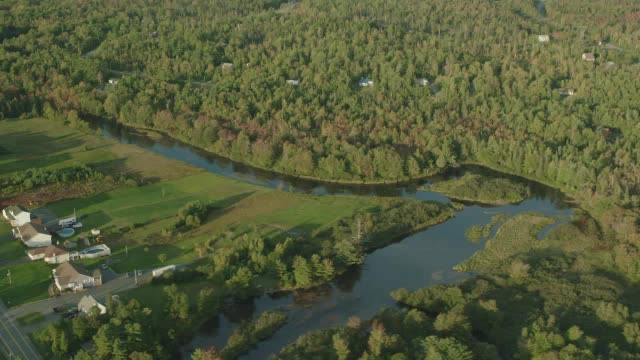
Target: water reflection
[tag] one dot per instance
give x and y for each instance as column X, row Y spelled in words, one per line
column 421, row 260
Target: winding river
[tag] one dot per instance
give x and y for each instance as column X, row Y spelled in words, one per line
column 420, row 260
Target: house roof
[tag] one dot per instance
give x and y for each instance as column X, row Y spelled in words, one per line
column 30, row 230
column 49, row 251
column 68, row 273
column 89, row 302
column 588, row 56
column 13, row 210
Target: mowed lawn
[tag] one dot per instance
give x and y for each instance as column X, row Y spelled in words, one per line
column 29, row 282
column 42, row 143
column 10, row 248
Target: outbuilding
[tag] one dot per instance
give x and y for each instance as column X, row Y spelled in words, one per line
column 588, row 57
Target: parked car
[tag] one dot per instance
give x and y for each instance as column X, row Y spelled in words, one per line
column 58, row 309
column 70, row 314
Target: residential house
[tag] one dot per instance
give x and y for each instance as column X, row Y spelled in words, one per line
column 588, row 57
column 567, row 92
column 543, row 38
column 87, row 303
column 422, row 81
column 33, row 235
column 294, row 82
column 51, row 254
column 16, row 215
column 74, row 277
column 365, row 82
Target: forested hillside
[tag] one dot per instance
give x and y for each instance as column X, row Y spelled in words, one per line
column 214, row 74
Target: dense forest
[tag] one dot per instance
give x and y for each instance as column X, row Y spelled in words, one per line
column 276, row 85
column 215, row 75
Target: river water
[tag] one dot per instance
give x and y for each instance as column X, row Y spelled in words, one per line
column 420, row 260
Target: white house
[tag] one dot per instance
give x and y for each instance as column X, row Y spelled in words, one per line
column 294, row 82
column 33, row 235
column 588, row 57
column 87, row 303
column 113, row 82
column 51, row 254
column 422, row 81
column 75, row 277
column 16, row 215
column 567, row 92
column 364, row 82
column 226, row 66
column 543, row 38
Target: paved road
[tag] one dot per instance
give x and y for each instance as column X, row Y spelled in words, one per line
column 120, row 283
column 14, row 343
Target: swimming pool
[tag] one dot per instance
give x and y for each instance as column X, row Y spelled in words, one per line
column 67, row 232
column 92, row 251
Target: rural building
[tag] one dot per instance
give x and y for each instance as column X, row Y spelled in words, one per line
column 162, row 270
column 75, row 277
column 33, row 235
column 87, row 303
column 113, row 82
column 543, row 38
column 588, row 57
column 567, row 92
column 294, row 82
column 51, row 254
column 364, row 82
column 16, row 215
column 226, row 66
column 422, row 81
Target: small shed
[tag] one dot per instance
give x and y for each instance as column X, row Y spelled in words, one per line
column 113, row 81
column 293, row 82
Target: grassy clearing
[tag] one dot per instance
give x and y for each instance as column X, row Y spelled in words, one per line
column 482, row 189
column 516, row 235
column 41, row 143
column 30, row 282
column 31, row 318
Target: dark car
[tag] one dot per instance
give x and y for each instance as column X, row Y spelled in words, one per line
column 70, row 314
column 58, row 309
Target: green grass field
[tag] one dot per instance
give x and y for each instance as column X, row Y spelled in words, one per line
column 31, row 318
column 10, row 248
column 30, row 282
column 132, row 218
column 146, row 210
column 41, row 143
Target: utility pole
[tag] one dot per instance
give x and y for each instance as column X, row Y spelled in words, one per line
column 135, row 275
column 126, row 250
column 9, row 276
